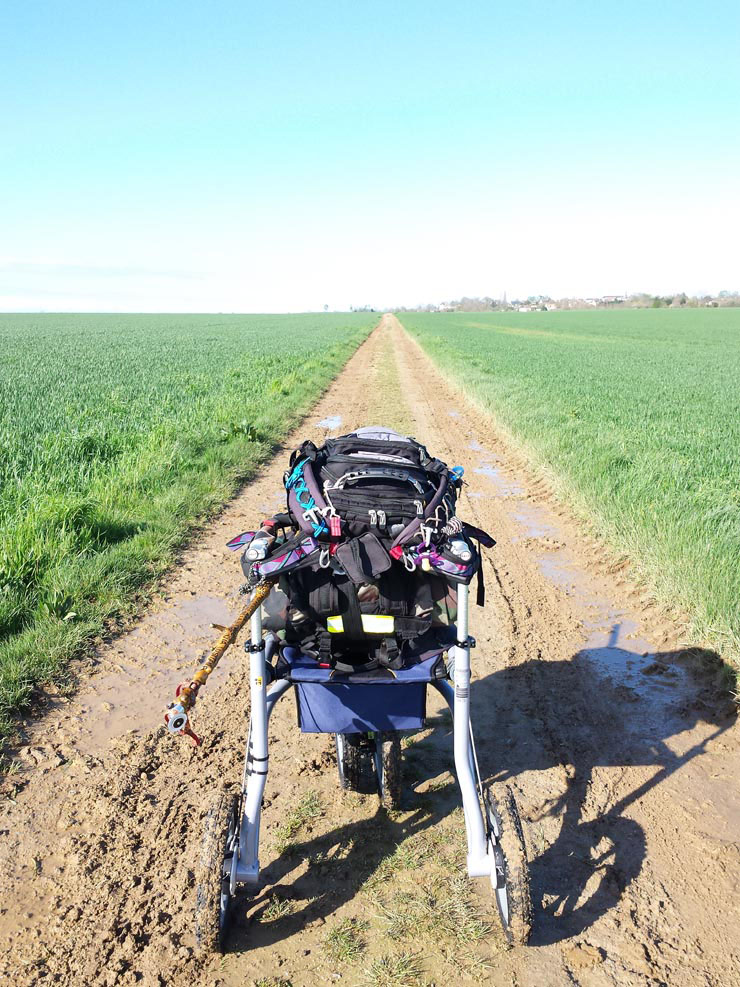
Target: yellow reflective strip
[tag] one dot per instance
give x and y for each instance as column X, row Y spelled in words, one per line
column 377, row 623
column 335, row 625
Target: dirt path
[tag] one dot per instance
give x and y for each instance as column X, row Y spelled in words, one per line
column 624, row 761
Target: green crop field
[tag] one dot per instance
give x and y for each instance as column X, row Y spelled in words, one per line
column 637, row 415
column 116, row 433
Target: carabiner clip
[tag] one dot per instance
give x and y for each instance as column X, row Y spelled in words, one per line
column 324, row 558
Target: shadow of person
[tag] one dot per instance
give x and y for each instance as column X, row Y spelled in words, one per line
column 605, row 708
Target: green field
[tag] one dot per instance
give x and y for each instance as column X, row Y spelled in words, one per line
column 637, row 415
column 116, row 433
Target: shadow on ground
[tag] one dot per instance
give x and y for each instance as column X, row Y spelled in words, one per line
column 339, row 863
column 605, row 707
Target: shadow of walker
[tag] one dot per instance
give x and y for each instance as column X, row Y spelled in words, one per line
column 337, row 865
column 598, row 709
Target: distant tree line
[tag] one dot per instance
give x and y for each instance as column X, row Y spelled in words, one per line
column 544, row 303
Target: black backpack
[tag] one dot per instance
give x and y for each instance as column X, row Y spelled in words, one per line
column 370, row 550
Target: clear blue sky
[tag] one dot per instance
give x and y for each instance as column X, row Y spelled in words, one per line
column 241, row 156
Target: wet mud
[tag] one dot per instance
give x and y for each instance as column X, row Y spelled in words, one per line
column 588, row 700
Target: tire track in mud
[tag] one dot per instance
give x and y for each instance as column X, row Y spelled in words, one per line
column 626, row 780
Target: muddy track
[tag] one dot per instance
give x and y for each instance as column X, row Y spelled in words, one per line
column 623, row 757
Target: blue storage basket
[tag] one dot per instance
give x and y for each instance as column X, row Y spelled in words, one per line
column 331, row 703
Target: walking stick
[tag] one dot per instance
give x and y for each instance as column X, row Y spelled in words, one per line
column 176, row 717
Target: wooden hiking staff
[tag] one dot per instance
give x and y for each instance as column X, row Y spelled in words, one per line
column 176, row 717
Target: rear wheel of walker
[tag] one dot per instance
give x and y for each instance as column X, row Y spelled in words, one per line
column 388, row 761
column 213, row 873
column 510, row 881
column 356, row 762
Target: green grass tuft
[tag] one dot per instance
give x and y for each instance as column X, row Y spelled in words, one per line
column 395, row 970
column 309, row 808
column 277, row 908
column 346, row 941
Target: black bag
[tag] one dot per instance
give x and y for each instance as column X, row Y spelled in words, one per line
column 373, row 545
column 373, row 479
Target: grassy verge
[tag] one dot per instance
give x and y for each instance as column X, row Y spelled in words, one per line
column 636, row 414
column 119, row 433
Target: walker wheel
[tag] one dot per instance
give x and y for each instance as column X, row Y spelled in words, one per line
column 356, row 762
column 213, row 873
column 370, row 763
column 388, row 761
column 510, row 879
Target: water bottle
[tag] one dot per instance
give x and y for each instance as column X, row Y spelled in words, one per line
column 259, row 546
column 461, row 550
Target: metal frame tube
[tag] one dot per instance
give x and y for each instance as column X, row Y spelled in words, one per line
column 479, row 861
column 256, row 761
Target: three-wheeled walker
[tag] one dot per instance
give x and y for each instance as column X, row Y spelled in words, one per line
column 367, row 713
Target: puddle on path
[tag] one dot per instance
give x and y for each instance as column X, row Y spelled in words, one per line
column 616, row 649
column 331, row 422
column 503, row 486
column 557, row 569
column 534, row 521
column 490, row 466
column 623, row 655
column 613, row 647
column 133, row 689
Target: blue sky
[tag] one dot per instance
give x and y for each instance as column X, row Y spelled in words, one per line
column 180, row 156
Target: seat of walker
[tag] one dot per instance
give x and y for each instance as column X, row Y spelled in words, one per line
column 424, row 662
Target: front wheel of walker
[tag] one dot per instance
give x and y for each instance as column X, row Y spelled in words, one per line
column 356, row 762
column 213, row 874
column 510, row 877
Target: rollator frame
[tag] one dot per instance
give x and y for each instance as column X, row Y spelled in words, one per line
column 484, row 857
